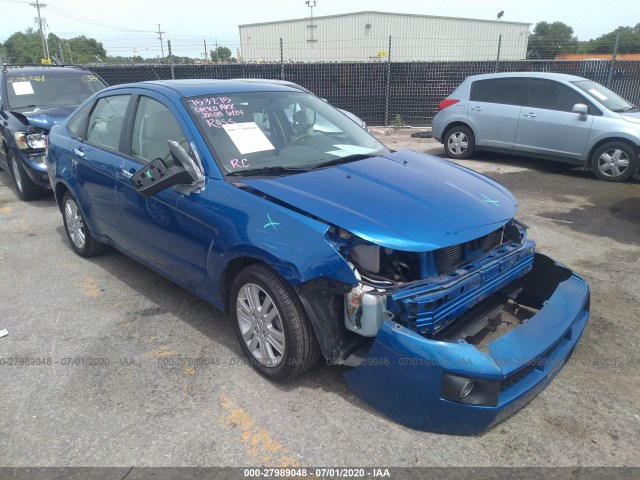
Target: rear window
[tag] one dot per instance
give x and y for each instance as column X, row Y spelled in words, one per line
column 48, row 89
column 509, row 91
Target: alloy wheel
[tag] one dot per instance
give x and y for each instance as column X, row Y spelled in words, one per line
column 260, row 325
column 16, row 172
column 75, row 224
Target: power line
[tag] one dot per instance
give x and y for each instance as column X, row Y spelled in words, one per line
column 91, row 21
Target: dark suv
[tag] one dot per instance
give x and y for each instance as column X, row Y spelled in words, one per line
column 32, row 100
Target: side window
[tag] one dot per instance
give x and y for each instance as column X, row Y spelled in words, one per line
column 153, row 125
column 509, row 91
column 552, row 95
column 105, row 122
column 77, row 122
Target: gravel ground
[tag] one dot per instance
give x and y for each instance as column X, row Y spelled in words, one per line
column 121, row 388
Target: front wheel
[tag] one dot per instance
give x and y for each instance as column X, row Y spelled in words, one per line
column 459, row 142
column 26, row 188
column 614, row 162
column 271, row 324
column 78, row 233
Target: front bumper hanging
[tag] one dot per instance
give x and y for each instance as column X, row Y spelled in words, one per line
column 411, row 378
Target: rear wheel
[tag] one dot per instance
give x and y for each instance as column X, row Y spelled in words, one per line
column 614, row 162
column 459, row 142
column 78, row 233
column 271, row 324
column 26, row 188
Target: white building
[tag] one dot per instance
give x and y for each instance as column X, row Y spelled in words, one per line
column 364, row 37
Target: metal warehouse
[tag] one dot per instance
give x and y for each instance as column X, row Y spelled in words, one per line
column 365, row 37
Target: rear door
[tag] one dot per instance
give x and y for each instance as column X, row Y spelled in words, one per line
column 547, row 124
column 494, row 110
column 97, row 162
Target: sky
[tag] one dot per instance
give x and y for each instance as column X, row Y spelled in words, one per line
column 127, row 27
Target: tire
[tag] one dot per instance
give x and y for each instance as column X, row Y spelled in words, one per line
column 279, row 340
column 459, row 142
column 26, row 188
column 78, row 234
column 614, row 162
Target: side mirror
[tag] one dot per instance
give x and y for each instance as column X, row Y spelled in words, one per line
column 581, row 109
column 155, row 176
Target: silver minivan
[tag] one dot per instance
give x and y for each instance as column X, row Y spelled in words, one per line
column 548, row 115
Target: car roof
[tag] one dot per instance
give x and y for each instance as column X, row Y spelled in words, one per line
column 547, row 75
column 196, row 87
column 43, row 70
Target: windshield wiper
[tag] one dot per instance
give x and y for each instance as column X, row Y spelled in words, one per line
column 341, row 160
column 626, row 109
column 266, row 171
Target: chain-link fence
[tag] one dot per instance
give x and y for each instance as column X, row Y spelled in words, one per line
column 381, row 93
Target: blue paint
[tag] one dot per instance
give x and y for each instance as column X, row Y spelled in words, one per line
column 400, row 200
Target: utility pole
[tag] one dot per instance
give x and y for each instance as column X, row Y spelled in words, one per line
column 173, row 75
column 159, row 32
column 60, row 52
column 216, row 50
column 206, row 55
column 70, row 55
column 38, row 5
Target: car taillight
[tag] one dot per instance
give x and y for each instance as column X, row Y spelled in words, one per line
column 447, row 102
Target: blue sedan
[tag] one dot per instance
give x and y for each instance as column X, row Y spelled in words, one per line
column 320, row 242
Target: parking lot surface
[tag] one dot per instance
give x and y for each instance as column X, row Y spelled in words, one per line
column 108, row 364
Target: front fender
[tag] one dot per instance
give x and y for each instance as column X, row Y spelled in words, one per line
column 250, row 226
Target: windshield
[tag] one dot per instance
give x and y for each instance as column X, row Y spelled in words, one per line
column 604, row 96
column 278, row 132
column 51, row 89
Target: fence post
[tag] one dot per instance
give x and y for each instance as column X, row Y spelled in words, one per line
column 173, row 76
column 612, row 64
column 281, row 60
column 387, row 93
column 498, row 56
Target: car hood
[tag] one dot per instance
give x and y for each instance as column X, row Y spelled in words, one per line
column 45, row 117
column 405, row 200
column 631, row 117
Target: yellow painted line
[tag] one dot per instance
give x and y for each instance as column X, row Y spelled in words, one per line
column 89, row 287
column 259, row 443
column 162, row 351
column 5, row 210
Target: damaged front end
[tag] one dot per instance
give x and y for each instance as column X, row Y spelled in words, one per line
column 451, row 340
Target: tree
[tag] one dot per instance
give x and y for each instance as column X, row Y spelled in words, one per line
column 85, row 50
column 221, row 54
column 629, row 41
column 26, row 48
column 551, row 39
column 23, row 48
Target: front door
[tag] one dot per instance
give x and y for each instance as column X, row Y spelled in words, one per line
column 165, row 229
column 547, row 124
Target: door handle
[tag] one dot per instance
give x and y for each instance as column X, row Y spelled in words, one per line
column 126, row 174
column 476, row 109
column 78, row 152
column 530, row 115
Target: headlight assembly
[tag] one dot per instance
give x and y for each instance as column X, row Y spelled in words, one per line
column 34, row 141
